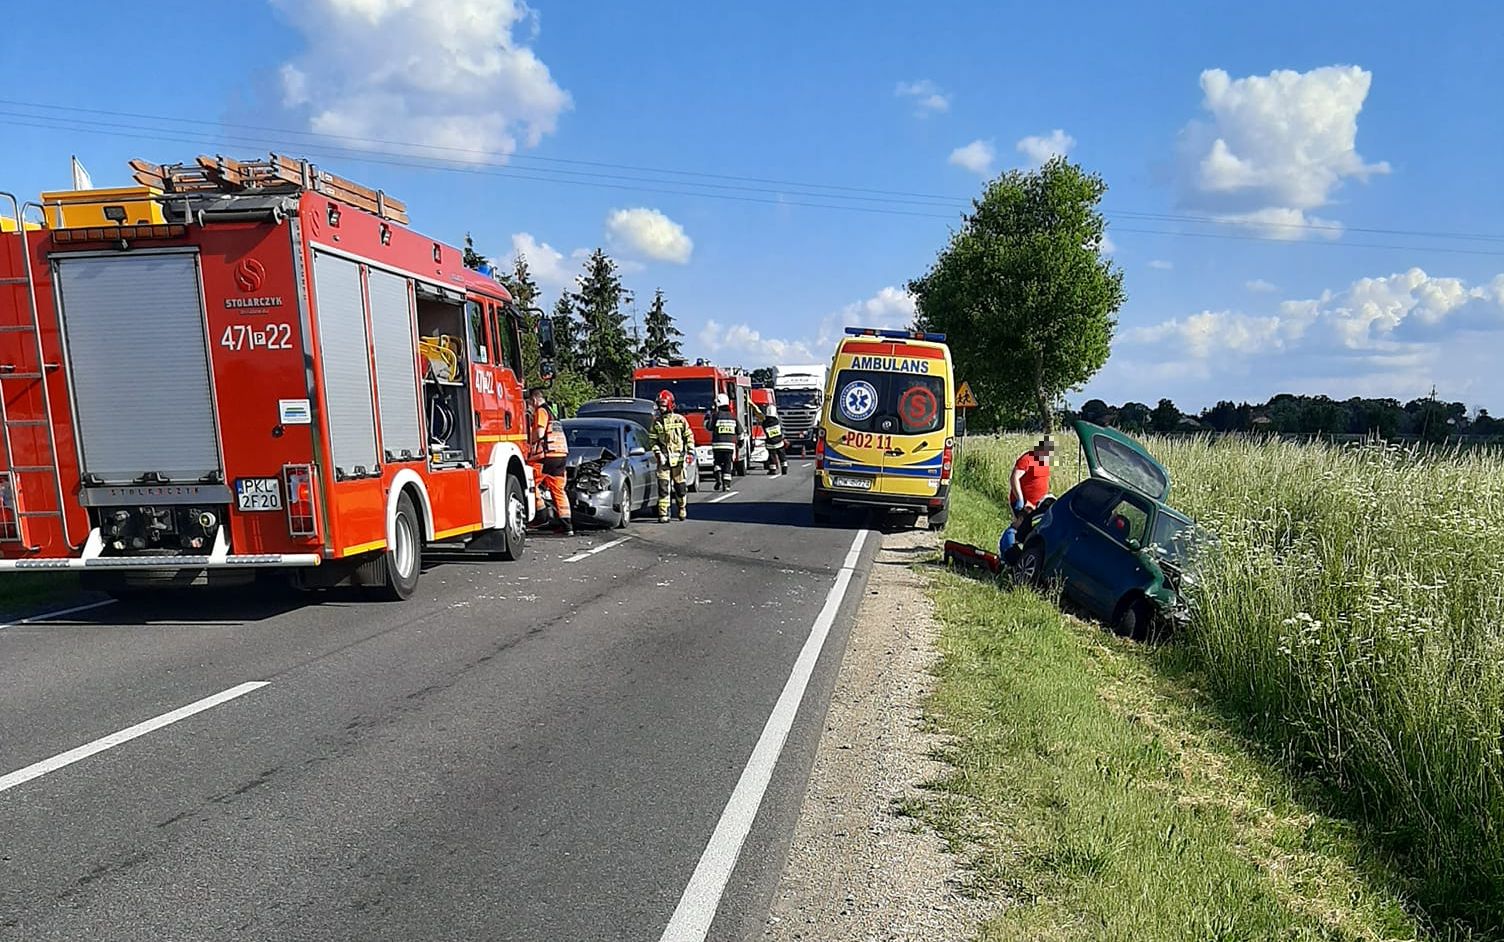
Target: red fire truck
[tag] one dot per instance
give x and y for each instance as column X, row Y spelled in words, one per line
column 279, row 375
column 695, row 388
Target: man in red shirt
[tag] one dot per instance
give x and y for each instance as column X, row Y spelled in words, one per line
column 1031, row 476
column 1028, row 486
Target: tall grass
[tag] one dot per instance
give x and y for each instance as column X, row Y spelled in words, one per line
column 1352, row 610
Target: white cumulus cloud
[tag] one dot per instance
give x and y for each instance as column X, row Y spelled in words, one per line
column 1160, row 264
column 451, row 80
column 978, row 157
column 1275, row 147
column 649, row 234
column 1401, row 313
column 1260, row 286
column 1040, row 149
column 928, row 98
column 891, row 307
column 547, row 264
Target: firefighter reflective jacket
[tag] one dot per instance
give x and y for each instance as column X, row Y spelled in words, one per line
column 724, row 430
column 773, row 431
column 671, row 437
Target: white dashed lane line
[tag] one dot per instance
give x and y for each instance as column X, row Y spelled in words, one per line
column 59, row 614
column 725, row 496
column 62, row 759
column 599, row 549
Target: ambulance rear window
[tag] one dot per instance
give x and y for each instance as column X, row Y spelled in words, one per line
column 888, row 402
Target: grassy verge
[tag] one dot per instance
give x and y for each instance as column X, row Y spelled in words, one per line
column 1097, row 798
column 1351, row 614
column 24, row 592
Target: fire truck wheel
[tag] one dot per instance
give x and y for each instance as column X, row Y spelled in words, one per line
column 514, row 534
column 404, row 558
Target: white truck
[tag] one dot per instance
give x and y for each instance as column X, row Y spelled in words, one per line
column 799, row 391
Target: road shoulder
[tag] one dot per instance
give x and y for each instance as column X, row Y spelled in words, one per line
column 858, row 868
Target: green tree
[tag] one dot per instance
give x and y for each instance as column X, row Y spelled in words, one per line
column 1165, row 417
column 662, row 338
column 1096, row 411
column 606, row 353
column 762, row 376
column 568, row 390
column 1024, row 291
column 1134, row 417
column 525, row 292
column 566, row 336
column 473, row 259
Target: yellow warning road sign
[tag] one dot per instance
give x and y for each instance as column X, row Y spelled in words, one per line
column 964, row 398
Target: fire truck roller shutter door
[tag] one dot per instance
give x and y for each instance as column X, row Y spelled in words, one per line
column 396, row 372
column 139, row 365
column 347, row 364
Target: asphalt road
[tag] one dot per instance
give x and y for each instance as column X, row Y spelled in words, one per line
column 531, row 750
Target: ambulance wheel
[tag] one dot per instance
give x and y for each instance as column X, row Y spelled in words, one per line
column 514, row 532
column 938, row 518
column 739, row 468
column 403, row 561
column 692, row 482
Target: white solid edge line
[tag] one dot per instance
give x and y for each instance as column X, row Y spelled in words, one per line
column 702, row 897
column 724, row 496
column 599, row 549
column 58, row 614
column 38, row 769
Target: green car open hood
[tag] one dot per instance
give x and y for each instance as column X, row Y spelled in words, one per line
column 1115, row 457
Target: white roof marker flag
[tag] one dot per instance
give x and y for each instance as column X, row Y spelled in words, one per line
column 81, row 179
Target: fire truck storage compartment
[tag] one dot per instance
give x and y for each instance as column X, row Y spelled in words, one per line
column 396, row 366
column 446, row 393
column 139, row 365
column 347, row 365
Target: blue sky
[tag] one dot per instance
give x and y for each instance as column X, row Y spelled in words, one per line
column 1293, row 127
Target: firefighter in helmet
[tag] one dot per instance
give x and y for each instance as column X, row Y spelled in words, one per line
column 547, row 455
column 725, row 432
column 671, row 438
column 772, row 431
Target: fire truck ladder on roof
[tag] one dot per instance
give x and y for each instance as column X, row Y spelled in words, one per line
column 15, row 475
column 276, row 174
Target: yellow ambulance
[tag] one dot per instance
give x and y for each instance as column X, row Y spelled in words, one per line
column 887, row 428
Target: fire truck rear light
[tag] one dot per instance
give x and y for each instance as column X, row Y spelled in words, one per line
column 10, row 521
column 301, row 515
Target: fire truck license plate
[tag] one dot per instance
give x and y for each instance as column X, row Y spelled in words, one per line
column 258, row 494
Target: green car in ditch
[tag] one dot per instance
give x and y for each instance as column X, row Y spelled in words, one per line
column 1111, row 542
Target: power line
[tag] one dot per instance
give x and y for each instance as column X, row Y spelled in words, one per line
column 688, row 188
column 379, row 158
column 466, row 153
column 365, row 144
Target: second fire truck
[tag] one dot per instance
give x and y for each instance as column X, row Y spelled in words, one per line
column 266, row 371
column 695, row 387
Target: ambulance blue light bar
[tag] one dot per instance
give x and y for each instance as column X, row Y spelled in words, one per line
column 895, row 334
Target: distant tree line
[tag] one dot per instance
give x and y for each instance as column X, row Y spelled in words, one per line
column 596, row 350
column 1429, row 419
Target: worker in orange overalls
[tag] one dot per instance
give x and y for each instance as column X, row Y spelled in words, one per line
column 547, row 454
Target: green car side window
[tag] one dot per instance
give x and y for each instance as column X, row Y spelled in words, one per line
column 1128, row 521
